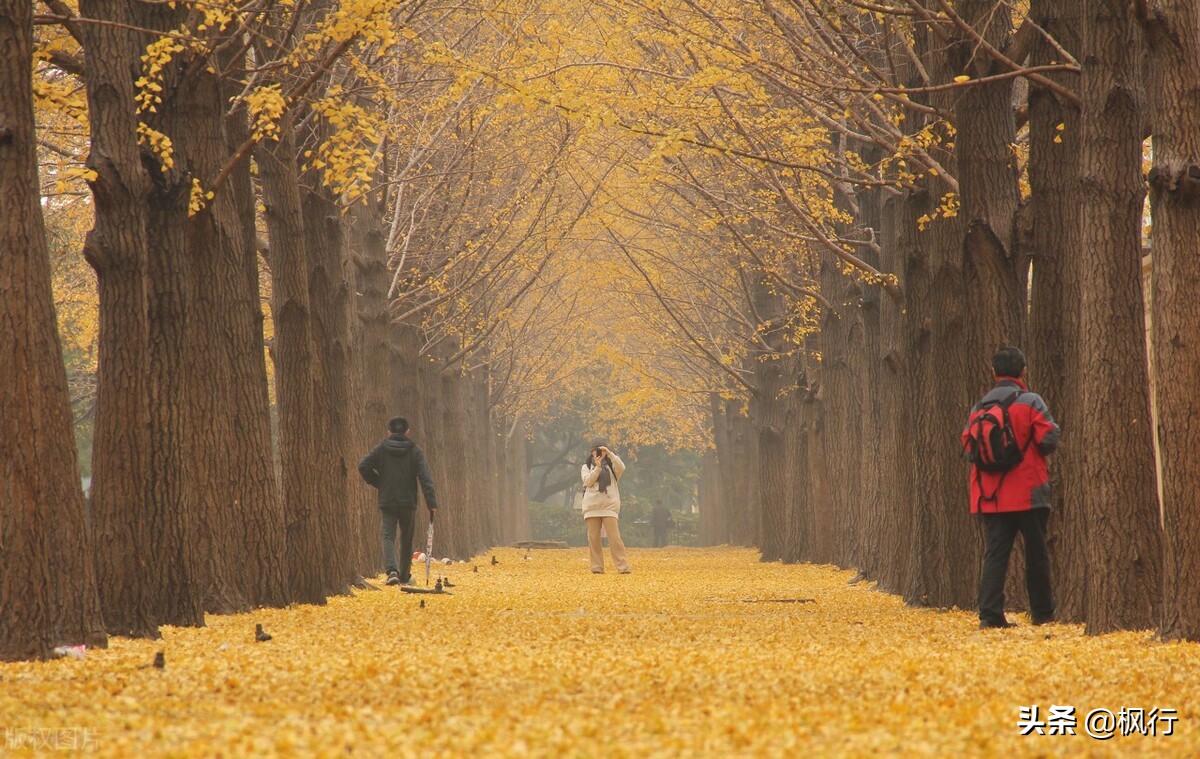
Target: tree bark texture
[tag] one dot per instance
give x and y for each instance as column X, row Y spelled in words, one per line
column 237, row 518
column 1123, row 535
column 263, row 560
column 369, row 323
column 772, row 414
column 175, row 595
column 328, row 295
column 940, row 340
column 993, row 264
column 116, row 248
column 713, row 521
column 47, row 581
column 841, row 414
column 812, row 518
column 1173, row 32
column 1053, row 350
column 144, row 547
column 292, row 352
column 895, row 508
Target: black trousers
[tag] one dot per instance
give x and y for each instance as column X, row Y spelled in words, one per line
column 391, row 517
column 1000, row 530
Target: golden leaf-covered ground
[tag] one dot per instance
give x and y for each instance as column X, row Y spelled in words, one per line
column 540, row 657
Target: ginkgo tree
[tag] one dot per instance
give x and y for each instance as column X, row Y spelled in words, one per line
column 49, row 586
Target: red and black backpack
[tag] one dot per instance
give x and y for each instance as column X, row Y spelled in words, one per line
column 991, row 443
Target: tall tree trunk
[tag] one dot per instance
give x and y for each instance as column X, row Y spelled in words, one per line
column 174, row 593
column 1054, row 357
column 723, row 454
column 939, row 343
column 744, row 462
column 841, row 415
column 144, row 547
column 1173, row 31
column 236, row 516
column 890, row 517
column 327, row 295
column 433, row 435
column 993, row 264
column 1123, row 537
column 771, row 409
column 737, row 457
column 895, row 392
column 945, row 543
column 516, row 448
column 771, row 417
column 449, row 436
column 262, row 560
column 810, row 526
column 713, row 522
column 488, row 496
column 875, row 447
column 116, row 249
column 48, row 583
column 370, row 315
column 292, row 353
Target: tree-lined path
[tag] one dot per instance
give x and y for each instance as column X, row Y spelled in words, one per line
column 696, row 653
column 763, row 248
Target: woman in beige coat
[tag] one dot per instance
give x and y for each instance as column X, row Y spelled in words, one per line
column 601, row 507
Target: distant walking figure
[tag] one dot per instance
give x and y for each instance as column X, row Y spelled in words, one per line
column 394, row 467
column 602, row 505
column 1007, row 438
column 660, row 521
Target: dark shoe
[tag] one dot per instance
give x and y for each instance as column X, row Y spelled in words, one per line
column 624, row 572
column 1049, row 619
column 405, row 580
column 393, row 578
column 985, row 624
column 597, row 571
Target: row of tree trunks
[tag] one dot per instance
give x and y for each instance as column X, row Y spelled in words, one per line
column 189, row 513
column 904, row 374
column 479, row 466
column 198, row 524
column 739, row 469
column 48, row 582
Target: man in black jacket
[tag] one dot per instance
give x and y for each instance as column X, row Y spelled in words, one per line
column 394, row 467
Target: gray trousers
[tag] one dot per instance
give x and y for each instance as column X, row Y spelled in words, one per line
column 391, row 517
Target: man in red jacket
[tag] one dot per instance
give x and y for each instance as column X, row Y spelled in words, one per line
column 1016, row 499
